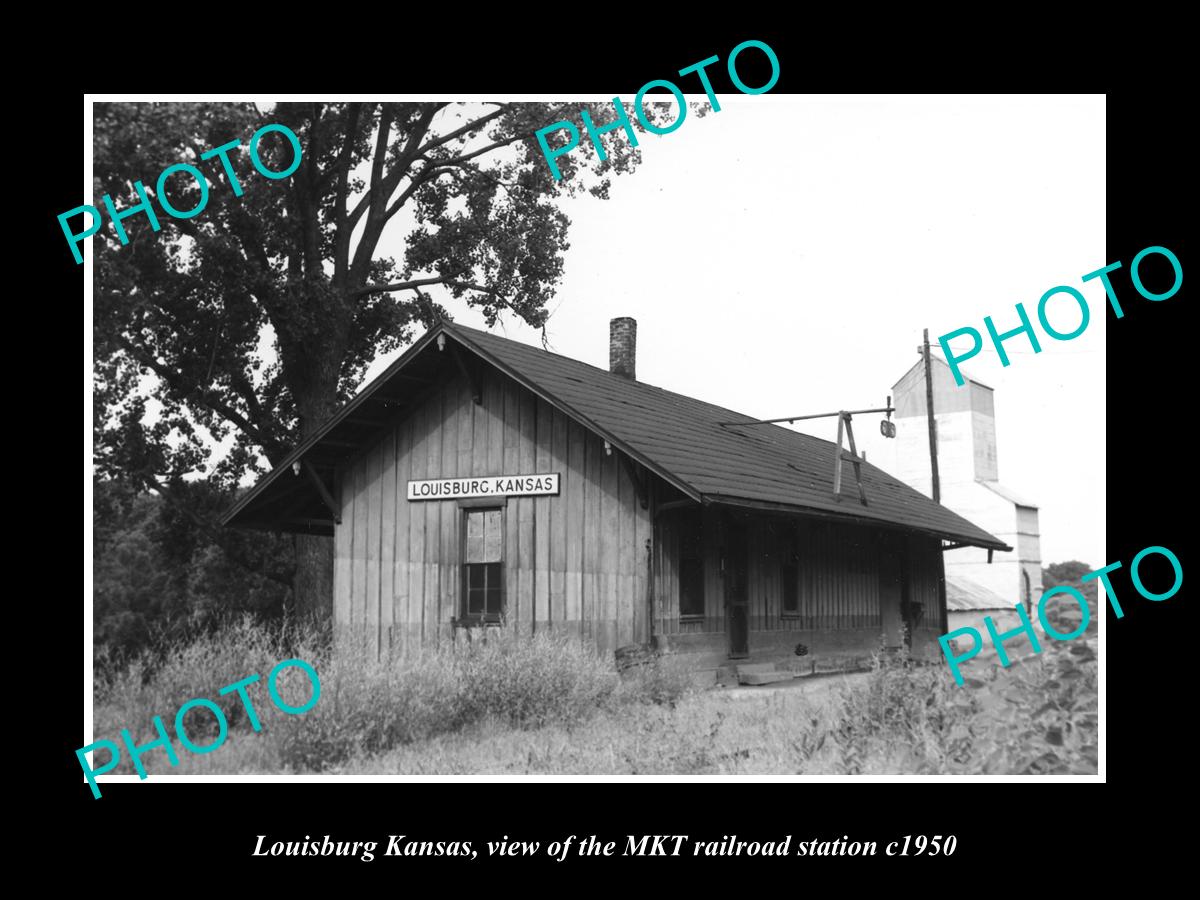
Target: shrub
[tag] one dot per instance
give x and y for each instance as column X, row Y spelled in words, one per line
column 665, row 680
column 908, row 717
column 1044, row 714
column 1037, row 716
column 367, row 707
column 522, row 682
column 159, row 680
column 531, row 681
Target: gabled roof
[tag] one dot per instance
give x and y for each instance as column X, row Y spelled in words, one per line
column 679, row 438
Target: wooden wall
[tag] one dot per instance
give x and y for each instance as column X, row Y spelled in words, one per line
column 844, row 581
column 579, row 561
column 575, row 562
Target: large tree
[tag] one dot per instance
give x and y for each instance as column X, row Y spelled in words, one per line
column 223, row 339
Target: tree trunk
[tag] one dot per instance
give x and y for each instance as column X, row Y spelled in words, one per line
column 312, row 584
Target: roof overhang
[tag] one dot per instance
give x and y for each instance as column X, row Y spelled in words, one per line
column 960, row 540
column 283, row 500
column 296, row 496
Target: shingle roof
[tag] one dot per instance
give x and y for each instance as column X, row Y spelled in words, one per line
column 681, row 439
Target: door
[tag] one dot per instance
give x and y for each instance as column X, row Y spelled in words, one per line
column 891, row 590
column 910, row 609
column 735, row 572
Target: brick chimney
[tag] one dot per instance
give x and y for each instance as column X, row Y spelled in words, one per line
column 622, row 347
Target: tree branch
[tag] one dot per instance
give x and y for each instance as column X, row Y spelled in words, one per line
column 380, row 193
column 427, row 173
column 459, row 132
column 206, row 397
column 419, row 283
column 394, row 286
column 381, row 142
column 341, row 252
column 245, row 229
column 240, row 383
column 305, row 190
column 455, row 160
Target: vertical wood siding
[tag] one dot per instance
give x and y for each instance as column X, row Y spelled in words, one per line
column 575, row 562
column 839, row 575
column 579, row 562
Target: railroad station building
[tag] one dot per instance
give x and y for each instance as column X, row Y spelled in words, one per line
column 480, row 482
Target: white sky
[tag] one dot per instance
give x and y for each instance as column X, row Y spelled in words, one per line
column 782, row 256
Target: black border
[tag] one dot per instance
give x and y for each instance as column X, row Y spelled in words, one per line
column 998, row 825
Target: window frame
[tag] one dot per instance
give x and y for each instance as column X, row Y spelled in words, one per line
column 465, row 616
column 682, row 523
column 789, row 558
column 794, row 566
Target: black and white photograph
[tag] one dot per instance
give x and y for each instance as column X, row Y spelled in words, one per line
column 710, row 432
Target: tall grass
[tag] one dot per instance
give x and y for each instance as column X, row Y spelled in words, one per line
column 549, row 704
column 159, row 680
column 368, row 706
column 520, row 682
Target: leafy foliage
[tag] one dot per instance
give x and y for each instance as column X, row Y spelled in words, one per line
column 295, row 260
column 158, row 577
column 1071, row 573
column 223, row 338
column 1038, row 716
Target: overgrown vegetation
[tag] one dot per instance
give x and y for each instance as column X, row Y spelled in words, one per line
column 369, row 706
column 1037, row 717
column 1071, row 573
column 516, row 682
column 549, row 705
column 197, row 663
column 159, row 578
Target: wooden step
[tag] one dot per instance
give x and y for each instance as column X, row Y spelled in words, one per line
column 761, row 673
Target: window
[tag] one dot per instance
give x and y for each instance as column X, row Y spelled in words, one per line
column 789, row 569
column 483, row 568
column 789, row 574
column 691, row 566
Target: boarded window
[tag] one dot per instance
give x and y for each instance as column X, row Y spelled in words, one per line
column 483, row 576
column 691, row 565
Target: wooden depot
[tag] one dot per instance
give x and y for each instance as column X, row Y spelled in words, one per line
column 671, row 524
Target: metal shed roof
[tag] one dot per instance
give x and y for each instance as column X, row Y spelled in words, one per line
column 963, row 594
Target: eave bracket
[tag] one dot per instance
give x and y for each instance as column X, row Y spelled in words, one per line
column 638, row 476
column 468, row 373
column 326, row 496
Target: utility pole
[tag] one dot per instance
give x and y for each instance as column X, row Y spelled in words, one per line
column 937, row 488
